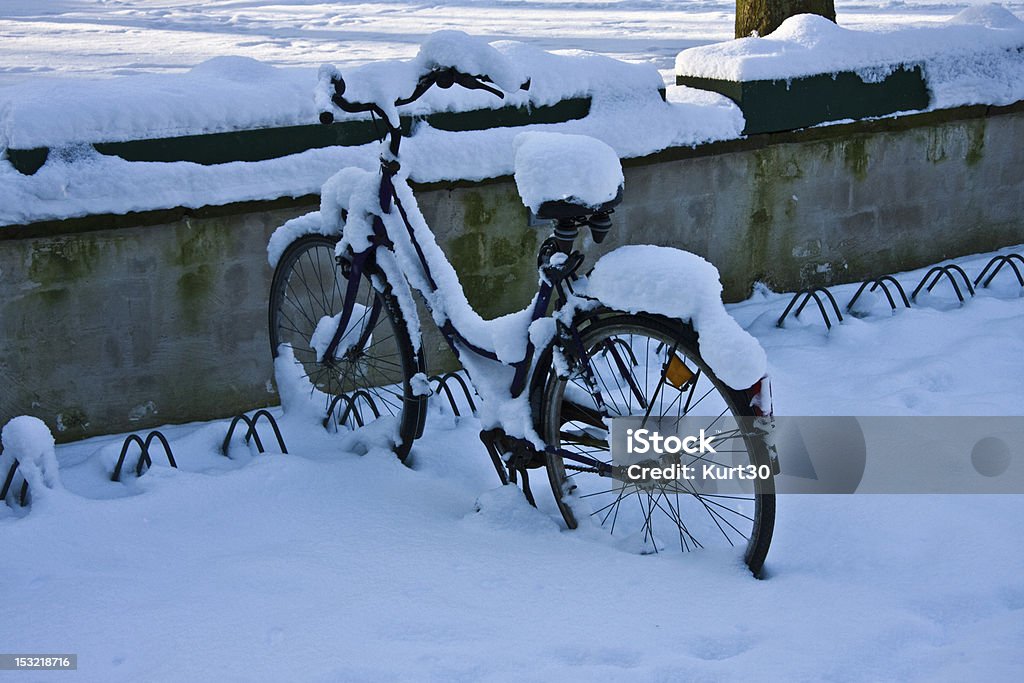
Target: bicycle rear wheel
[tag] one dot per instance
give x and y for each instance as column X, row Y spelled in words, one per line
column 370, row 377
column 643, row 364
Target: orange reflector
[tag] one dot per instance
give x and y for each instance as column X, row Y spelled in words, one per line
column 677, row 374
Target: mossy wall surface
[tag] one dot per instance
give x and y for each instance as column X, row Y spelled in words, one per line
column 110, row 324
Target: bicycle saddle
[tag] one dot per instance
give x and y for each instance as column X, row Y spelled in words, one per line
column 566, row 176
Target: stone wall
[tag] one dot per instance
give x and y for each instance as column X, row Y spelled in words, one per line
column 115, row 323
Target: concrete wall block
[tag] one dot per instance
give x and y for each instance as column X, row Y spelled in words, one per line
column 115, row 330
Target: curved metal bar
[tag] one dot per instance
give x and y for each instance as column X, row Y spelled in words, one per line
column 250, row 432
column 999, row 262
column 331, row 406
column 997, row 259
column 938, row 272
column 860, row 290
column 466, row 391
column 9, row 479
column 821, row 307
column 967, row 280
column 917, row 290
column 144, row 455
column 808, row 294
column 952, row 281
column 832, row 300
column 899, row 288
column 367, row 400
column 800, row 308
column 353, row 409
column 273, row 425
column 23, row 498
column 888, row 294
column 792, row 302
column 443, row 384
column 163, row 442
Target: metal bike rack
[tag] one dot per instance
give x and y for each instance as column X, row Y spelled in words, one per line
column 948, row 271
column 441, row 382
column 808, row 294
column 252, row 433
column 999, row 262
column 22, row 498
column 352, row 408
column 144, row 457
column 881, row 282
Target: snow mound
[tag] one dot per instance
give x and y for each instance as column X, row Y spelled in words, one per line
column 507, row 509
column 28, row 440
column 678, row 284
column 227, row 94
column 974, row 58
column 382, row 83
column 992, row 15
column 556, row 166
column 809, row 31
column 472, row 56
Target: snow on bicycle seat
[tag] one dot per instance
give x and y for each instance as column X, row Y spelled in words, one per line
column 566, row 176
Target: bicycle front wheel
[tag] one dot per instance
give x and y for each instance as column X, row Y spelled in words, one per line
column 370, row 377
column 641, row 365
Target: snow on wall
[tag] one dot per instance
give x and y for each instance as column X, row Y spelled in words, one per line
column 233, row 93
column 974, row 58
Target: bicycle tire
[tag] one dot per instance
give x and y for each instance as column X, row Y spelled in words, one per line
column 308, row 286
column 678, row 508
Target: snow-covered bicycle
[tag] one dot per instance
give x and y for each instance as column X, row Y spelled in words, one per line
column 643, row 334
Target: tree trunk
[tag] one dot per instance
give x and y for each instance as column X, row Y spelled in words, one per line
column 764, row 16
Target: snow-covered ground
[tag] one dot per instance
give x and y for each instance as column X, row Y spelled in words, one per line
column 121, row 37
column 326, row 566
column 323, row 566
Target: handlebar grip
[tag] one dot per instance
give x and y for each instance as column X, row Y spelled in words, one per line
column 339, row 85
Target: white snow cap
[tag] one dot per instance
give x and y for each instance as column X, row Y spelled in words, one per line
column 28, row 440
column 470, row 55
column 808, row 44
column 678, row 284
column 991, row 15
column 382, row 83
column 556, row 166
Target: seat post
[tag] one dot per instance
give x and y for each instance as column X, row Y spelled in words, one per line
column 566, row 231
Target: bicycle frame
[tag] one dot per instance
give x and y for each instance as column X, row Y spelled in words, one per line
column 550, row 283
column 452, row 336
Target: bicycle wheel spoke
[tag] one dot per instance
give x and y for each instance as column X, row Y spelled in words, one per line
column 376, row 356
column 635, row 383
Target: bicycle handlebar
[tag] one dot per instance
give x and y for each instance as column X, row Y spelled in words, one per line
column 443, row 77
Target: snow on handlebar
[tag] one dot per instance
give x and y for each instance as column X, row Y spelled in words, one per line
column 446, row 58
